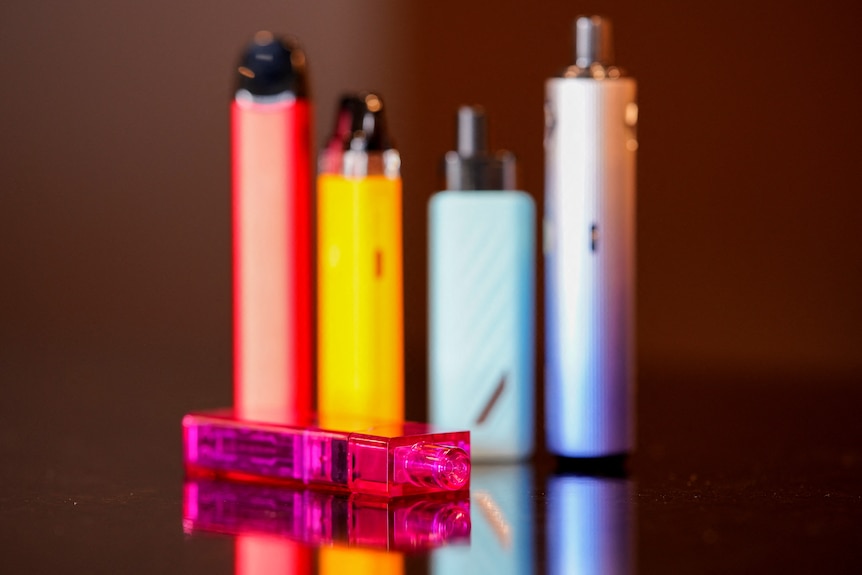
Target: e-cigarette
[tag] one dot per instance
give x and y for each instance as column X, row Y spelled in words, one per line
column 481, row 298
column 272, row 267
column 378, row 459
column 360, row 316
column 327, row 518
column 590, row 145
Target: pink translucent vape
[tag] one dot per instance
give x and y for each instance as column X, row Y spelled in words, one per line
column 318, row 518
column 383, row 460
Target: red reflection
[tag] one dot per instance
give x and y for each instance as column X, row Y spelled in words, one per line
column 263, row 555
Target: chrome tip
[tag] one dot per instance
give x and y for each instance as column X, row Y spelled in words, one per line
column 593, row 41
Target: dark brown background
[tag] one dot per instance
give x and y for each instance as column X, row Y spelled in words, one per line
column 114, row 205
column 115, row 254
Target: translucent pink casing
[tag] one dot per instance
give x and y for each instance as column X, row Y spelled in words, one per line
column 383, row 460
column 319, row 517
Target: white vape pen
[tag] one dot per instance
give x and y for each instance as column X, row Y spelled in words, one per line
column 481, row 273
column 590, row 145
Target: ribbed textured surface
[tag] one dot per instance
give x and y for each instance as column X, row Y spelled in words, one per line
column 481, row 312
column 589, row 252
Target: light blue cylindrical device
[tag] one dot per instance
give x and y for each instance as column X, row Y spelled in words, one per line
column 481, row 299
column 589, row 246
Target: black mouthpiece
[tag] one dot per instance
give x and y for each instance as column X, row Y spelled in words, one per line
column 272, row 66
column 368, row 131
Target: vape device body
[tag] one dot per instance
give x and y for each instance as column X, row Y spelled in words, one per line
column 502, row 538
column 272, row 265
column 377, row 459
column 360, row 316
column 481, row 299
column 589, row 249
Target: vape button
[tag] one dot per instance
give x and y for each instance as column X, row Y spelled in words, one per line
column 548, row 236
column 631, row 120
column 631, row 114
column 550, row 123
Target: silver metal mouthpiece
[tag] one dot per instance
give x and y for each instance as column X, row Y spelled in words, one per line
column 593, row 41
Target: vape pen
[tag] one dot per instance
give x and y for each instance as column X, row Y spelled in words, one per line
column 271, row 230
column 384, row 460
column 481, row 298
column 501, row 539
column 320, row 518
column 589, row 249
column 360, row 325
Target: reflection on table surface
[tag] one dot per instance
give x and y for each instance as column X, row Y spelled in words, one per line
column 277, row 527
column 590, row 526
column 317, row 518
column 502, row 536
column 587, row 526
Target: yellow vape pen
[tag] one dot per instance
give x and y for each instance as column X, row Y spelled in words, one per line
column 360, row 293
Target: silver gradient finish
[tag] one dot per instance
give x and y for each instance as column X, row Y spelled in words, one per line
column 590, row 146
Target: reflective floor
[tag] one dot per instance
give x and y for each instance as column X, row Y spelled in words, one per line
column 731, row 475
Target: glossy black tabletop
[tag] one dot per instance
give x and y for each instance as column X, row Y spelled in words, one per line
column 732, row 474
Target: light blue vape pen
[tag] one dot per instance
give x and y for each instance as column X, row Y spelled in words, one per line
column 481, row 299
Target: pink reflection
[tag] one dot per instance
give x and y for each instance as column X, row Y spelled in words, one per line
column 320, row 518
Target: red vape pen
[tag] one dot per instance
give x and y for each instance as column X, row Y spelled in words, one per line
column 271, row 156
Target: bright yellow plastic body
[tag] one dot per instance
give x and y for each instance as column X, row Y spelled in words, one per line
column 360, row 297
column 342, row 560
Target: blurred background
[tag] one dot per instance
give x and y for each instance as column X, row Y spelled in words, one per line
column 114, row 184
column 115, row 303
